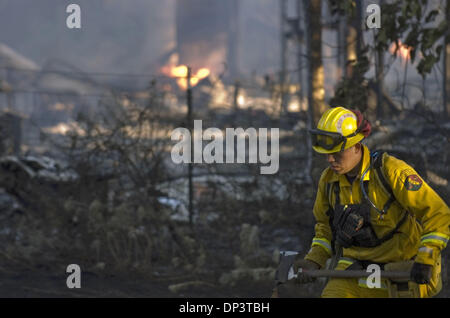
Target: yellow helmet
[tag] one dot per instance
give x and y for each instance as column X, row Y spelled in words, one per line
column 336, row 131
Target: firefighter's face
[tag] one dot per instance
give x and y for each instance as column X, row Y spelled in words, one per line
column 345, row 161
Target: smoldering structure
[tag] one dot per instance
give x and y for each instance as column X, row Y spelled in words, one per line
column 207, row 35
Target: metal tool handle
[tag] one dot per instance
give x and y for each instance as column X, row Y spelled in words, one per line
column 354, row 274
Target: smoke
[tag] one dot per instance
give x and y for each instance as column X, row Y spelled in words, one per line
column 135, row 36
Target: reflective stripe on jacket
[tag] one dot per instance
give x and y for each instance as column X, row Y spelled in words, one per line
column 425, row 233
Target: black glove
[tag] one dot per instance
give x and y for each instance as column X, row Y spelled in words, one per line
column 306, row 265
column 421, row 273
column 344, row 240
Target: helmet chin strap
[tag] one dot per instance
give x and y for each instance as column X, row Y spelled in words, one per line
column 357, row 167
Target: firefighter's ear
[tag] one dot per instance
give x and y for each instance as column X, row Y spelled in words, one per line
column 358, row 147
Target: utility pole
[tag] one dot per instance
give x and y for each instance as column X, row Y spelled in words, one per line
column 233, row 54
column 314, row 35
column 301, row 6
column 354, row 38
column 379, row 65
column 284, row 43
column 308, row 63
column 290, row 31
column 358, row 26
column 190, row 165
column 342, row 46
column 299, row 53
column 446, row 68
column 309, row 70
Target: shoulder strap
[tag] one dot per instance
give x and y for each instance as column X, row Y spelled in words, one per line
column 377, row 160
column 328, row 190
column 336, row 189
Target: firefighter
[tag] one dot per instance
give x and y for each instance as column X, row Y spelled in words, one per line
column 375, row 209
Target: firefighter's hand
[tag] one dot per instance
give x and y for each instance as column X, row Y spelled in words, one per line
column 305, row 265
column 421, row 273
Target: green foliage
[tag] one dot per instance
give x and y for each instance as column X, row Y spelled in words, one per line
column 343, row 7
column 409, row 22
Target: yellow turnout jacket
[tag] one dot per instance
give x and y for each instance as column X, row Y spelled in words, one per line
column 421, row 237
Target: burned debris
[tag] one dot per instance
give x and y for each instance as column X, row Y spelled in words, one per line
column 86, row 165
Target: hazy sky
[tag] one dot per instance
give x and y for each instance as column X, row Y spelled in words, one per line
column 125, row 36
column 133, row 36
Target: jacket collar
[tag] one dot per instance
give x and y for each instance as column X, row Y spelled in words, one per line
column 365, row 163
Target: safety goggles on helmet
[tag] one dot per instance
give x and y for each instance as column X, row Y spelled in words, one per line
column 329, row 140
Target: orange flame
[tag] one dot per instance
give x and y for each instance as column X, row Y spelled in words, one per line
column 181, row 71
column 403, row 51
